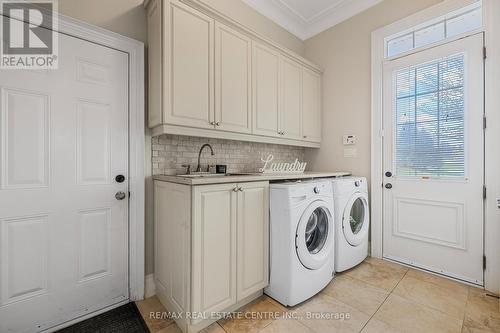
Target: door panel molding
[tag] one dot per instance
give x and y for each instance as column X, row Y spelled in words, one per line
column 30, row 168
column 458, row 241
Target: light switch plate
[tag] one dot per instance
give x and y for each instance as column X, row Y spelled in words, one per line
column 348, row 140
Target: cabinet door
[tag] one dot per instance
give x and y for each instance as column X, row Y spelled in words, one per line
column 214, row 247
column 189, row 65
column 172, row 235
column 233, row 80
column 291, row 98
column 311, row 105
column 265, row 81
column 253, row 238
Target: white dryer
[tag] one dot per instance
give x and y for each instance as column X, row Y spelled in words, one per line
column 352, row 221
column 301, row 240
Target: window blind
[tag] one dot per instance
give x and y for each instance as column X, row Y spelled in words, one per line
column 430, row 119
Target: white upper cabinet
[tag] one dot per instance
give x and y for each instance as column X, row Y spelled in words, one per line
column 233, row 80
column 266, row 101
column 212, row 77
column 190, row 63
column 311, row 105
column 291, row 98
column 154, row 69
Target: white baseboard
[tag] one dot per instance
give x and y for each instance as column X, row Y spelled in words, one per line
column 149, row 286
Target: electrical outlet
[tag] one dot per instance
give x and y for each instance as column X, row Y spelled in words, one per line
column 498, row 203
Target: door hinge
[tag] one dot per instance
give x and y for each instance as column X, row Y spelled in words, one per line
column 484, row 191
column 484, row 52
column 129, row 194
column 484, row 122
column 484, row 262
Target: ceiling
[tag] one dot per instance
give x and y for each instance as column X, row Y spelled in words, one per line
column 306, row 18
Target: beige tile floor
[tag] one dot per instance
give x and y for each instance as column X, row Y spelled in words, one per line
column 377, row 296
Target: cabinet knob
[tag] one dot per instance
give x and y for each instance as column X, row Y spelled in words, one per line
column 217, row 123
column 212, row 123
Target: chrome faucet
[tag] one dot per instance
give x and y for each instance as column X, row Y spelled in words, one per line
column 198, row 168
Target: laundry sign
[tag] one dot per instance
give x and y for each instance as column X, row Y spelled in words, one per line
column 282, row 167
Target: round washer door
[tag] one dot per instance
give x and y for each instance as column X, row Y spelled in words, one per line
column 356, row 219
column 312, row 239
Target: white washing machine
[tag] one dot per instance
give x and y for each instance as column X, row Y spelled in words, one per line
column 301, row 240
column 352, row 221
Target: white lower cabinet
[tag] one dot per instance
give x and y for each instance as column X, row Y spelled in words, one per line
column 211, row 252
column 253, row 239
column 214, row 247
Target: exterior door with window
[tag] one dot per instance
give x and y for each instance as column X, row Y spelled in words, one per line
column 433, row 159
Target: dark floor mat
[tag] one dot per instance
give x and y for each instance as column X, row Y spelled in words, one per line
column 124, row 319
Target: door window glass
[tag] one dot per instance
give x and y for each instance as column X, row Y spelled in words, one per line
column 429, row 119
column 357, row 216
column 463, row 20
column 316, row 232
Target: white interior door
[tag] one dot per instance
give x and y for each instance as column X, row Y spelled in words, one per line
column 63, row 234
column 433, row 147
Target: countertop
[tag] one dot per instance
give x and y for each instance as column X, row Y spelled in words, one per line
column 240, row 178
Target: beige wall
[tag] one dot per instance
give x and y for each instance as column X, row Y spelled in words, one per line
column 128, row 18
column 344, row 53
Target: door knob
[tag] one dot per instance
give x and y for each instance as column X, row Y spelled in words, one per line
column 120, row 195
column 388, row 174
column 388, row 186
column 120, row 178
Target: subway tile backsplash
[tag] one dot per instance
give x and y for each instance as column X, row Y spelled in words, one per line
column 170, row 152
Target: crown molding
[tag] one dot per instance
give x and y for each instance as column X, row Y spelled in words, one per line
column 302, row 27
